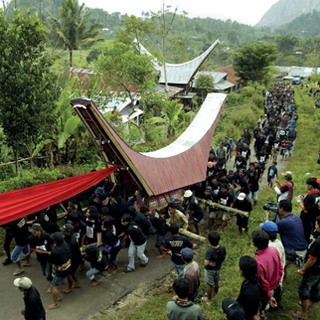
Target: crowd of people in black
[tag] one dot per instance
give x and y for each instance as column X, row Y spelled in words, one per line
column 111, row 222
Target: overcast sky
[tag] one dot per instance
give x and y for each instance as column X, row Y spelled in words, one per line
column 244, row 11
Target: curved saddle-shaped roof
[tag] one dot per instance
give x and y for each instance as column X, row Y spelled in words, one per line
column 182, row 73
column 182, row 163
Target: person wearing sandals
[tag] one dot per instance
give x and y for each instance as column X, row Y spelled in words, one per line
column 21, row 234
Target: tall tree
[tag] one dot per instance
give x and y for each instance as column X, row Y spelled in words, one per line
column 164, row 18
column 71, row 29
column 127, row 72
column 27, row 86
column 253, row 62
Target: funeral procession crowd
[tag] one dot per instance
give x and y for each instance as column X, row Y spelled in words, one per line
column 98, row 223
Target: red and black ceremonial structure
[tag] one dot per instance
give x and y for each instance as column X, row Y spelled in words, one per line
column 160, row 175
column 163, row 173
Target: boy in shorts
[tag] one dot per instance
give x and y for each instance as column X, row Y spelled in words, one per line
column 215, row 256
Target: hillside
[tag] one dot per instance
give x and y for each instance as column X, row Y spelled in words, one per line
column 306, row 25
column 285, row 11
column 189, row 36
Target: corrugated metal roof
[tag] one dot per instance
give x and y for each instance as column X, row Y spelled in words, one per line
column 295, row 71
column 178, row 165
column 223, row 85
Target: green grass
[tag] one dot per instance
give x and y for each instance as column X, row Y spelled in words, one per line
column 303, row 161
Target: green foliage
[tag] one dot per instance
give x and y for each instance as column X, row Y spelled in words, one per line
column 306, row 25
column 27, row 86
column 133, row 28
column 71, row 29
column 247, row 92
column 252, row 62
column 125, row 69
column 30, row 178
column 204, row 84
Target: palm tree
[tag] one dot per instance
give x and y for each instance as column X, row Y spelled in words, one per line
column 71, row 30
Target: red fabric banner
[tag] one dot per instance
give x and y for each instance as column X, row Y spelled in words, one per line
column 19, row 203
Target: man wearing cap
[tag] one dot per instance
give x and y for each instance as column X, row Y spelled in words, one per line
column 194, row 210
column 286, row 190
column 176, row 216
column 309, row 206
column 40, row 243
column 191, row 272
column 34, row 309
column 271, row 229
column 242, row 204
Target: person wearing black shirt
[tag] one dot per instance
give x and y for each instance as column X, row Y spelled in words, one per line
column 240, row 162
column 110, row 241
column 137, row 242
column 98, row 263
column 60, row 258
column 242, row 204
column 40, row 243
column 214, row 258
column 7, row 241
column 174, row 244
column 46, row 223
column 253, row 183
column 76, row 257
column 158, row 221
column 225, row 198
column 141, row 221
column 309, row 206
column 93, row 225
column 79, row 228
column 250, row 293
column 21, row 234
column 34, row 309
column 309, row 286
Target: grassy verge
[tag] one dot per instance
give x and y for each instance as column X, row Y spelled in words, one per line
column 303, row 165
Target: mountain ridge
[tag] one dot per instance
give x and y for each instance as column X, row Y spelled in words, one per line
column 285, row 11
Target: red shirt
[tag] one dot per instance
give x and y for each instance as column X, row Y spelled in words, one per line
column 270, row 270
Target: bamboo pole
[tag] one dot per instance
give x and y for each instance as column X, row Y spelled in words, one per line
column 221, row 207
column 192, row 235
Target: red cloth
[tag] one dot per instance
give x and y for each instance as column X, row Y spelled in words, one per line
column 19, row 203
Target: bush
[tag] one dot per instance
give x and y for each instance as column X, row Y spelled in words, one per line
column 258, row 100
column 234, row 98
column 248, row 92
column 31, row 178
